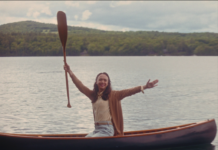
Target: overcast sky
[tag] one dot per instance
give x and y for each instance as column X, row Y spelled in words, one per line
column 168, row 16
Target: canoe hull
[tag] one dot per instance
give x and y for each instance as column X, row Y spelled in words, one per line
column 195, row 134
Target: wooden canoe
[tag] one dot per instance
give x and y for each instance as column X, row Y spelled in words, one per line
column 202, row 132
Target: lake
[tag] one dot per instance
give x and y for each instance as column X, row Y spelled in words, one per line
column 33, row 92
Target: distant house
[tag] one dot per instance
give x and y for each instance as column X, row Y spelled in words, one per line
column 84, row 53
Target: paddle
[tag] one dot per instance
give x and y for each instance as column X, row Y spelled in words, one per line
column 62, row 30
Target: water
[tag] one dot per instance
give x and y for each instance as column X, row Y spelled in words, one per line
column 33, row 92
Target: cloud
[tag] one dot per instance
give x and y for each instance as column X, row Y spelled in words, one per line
column 9, row 19
column 125, row 29
column 46, row 10
column 32, row 13
column 91, row 2
column 96, row 26
column 79, row 3
column 29, row 13
column 175, row 16
column 119, row 3
column 161, row 16
column 76, row 17
column 36, row 14
column 86, row 14
column 24, row 10
column 73, row 4
column 36, row 11
column 52, row 20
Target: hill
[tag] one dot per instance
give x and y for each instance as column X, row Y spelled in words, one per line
column 29, row 38
column 32, row 26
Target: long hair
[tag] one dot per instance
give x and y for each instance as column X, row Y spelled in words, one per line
column 107, row 91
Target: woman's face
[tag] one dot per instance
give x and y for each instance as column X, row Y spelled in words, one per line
column 102, row 82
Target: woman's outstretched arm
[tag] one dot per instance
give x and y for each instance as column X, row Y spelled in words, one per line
column 82, row 88
column 128, row 92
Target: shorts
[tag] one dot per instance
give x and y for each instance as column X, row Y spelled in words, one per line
column 102, row 131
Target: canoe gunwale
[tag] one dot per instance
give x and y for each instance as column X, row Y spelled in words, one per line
column 128, row 133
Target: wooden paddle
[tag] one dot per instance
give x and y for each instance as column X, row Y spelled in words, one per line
column 62, row 30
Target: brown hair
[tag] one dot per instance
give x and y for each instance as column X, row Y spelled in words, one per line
column 107, row 91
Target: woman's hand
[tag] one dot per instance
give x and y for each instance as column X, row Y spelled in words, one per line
column 150, row 84
column 66, row 67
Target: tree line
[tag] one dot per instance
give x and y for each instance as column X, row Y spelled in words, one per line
column 110, row 43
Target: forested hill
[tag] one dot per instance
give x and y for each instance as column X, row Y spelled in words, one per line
column 30, row 38
column 37, row 27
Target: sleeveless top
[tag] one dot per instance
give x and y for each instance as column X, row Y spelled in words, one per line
column 101, row 110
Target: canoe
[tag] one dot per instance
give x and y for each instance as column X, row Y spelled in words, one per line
column 202, row 132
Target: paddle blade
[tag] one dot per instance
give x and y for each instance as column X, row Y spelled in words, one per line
column 62, row 27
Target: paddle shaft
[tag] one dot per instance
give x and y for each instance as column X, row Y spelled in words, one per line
column 67, row 86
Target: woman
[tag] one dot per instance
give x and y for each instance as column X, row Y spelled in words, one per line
column 106, row 103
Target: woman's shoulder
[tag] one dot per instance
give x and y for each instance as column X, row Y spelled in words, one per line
column 114, row 93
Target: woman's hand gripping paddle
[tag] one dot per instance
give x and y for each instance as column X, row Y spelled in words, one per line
column 62, row 30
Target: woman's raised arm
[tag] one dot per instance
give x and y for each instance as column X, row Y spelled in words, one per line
column 82, row 88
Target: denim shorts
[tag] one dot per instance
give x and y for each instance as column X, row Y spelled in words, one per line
column 102, row 130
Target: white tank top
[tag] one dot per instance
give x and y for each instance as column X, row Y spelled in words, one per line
column 101, row 110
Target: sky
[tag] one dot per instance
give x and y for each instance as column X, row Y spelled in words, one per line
column 162, row 16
